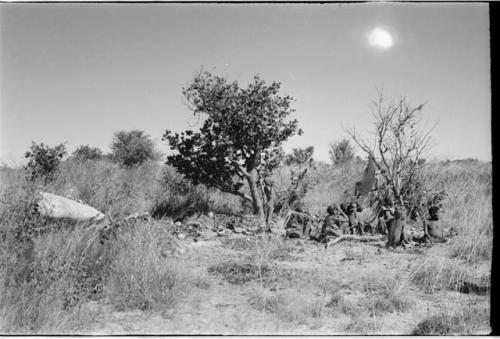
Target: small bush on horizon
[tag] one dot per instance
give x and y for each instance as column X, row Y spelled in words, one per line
column 132, row 148
column 43, row 161
column 341, row 152
column 85, row 153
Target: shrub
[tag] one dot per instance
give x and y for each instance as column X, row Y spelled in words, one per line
column 43, row 161
column 177, row 198
column 85, row 153
column 341, row 152
column 132, row 148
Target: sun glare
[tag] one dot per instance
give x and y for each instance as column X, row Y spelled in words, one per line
column 380, row 38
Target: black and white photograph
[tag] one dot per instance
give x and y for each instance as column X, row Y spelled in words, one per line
column 245, row 168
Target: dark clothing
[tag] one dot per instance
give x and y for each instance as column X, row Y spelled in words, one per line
column 434, row 213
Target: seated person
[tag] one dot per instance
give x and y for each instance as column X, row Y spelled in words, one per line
column 432, row 227
column 298, row 224
column 333, row 224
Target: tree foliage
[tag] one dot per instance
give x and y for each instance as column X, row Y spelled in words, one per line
column 300, row 156
column 85, row 152
column 399, row 146
column 341, row 152
column 43, row 161
column 132, row 148
column 241, row 135
column 300, row 162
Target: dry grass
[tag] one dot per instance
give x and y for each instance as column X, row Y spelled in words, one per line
column 140, row 276
column 470, row 319
column 468, row 208
column 52, row 280
column 46, row 278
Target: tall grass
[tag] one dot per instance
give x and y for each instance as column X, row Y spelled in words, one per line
column 50, row 270
column 141, row 276
column 332, row 183
column 45, row 276
column 468, row 208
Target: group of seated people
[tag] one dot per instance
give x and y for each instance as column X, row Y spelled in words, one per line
column 340, row 220
column 346, row 220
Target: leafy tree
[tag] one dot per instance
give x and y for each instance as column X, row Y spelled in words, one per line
column 300, row 156
column 341, row 152
column 132, row 148
column 241, row 135
column 43, row 161
column 84, row 153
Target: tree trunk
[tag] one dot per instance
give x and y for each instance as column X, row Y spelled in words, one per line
column 394, row 232
column 254, row 191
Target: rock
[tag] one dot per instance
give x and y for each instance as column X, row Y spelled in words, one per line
column 57, row 207
column 181, row 236
column 177, row 223
column 238, row 230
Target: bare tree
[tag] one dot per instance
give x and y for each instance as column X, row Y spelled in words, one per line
column 400, row 142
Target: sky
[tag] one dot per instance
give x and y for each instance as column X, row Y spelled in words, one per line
column 77, row 73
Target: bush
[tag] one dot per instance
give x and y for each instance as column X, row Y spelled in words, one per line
column 85, row 153
column 341, row 152
column 43, row 161
column 177, row 198
column 132, row 148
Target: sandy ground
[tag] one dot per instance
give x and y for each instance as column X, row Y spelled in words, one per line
column 223, row 308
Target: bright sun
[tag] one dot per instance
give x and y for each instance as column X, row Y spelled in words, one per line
column 380, row 38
